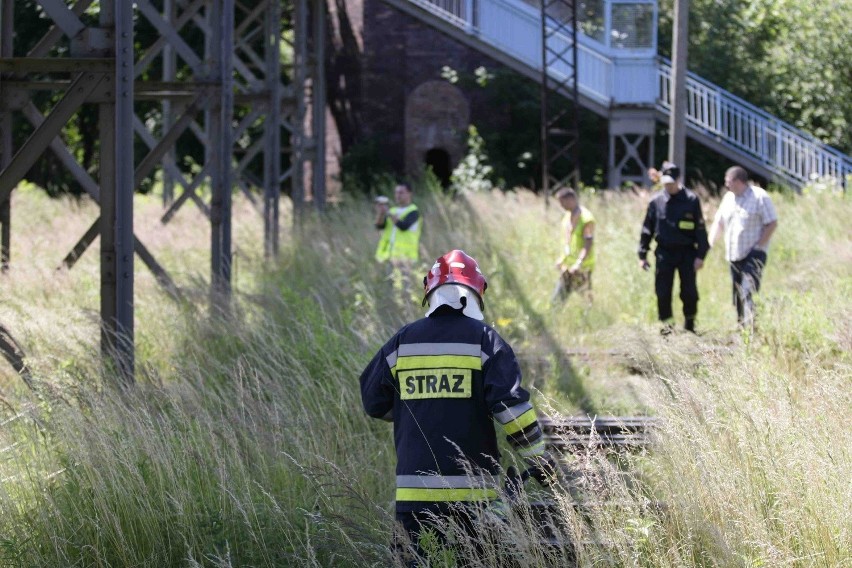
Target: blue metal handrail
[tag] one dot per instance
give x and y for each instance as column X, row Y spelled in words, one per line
column 795, row 155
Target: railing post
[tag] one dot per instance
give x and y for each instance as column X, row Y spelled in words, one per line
column 717, row 102
column 468, row 16
column 779, row 143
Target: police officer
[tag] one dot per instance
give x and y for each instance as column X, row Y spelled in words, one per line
column 442, row 381
column 675, row 219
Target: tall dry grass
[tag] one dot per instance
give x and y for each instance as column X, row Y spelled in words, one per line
column 244, row 443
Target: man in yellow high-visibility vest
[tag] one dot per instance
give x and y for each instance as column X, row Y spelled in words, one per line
column 578, row 259
column 401, row 227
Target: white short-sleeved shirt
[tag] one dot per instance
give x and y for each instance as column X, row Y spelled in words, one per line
column 744, row 217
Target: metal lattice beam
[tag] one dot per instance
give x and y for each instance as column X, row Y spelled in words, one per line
column 234, row 95
column 560, row 131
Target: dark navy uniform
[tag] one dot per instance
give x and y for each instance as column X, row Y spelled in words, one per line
column 677, row 224
column 443, row 380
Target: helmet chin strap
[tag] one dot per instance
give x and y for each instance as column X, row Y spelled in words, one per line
column 457, row 297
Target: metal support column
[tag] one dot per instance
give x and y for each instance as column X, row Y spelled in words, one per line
column 318, row 96
column 297, row 136
column 7, row 29
column 116, row 177
column 272, row 132
column 677, row 117
column 560, row 158
column 221, row 142
column 168, row 55
column 631, row 146
column 101, row 67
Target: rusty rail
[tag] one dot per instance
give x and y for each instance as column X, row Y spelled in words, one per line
column 571, row 433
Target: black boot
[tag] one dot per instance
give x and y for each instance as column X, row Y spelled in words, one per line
column 689, row 325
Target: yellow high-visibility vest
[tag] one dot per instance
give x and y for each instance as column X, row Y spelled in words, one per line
column 397, row 244
column 577, row 242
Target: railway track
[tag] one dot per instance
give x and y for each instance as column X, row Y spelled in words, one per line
column 571, row 433
column 575, row 435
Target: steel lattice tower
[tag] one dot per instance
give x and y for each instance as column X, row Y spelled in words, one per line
column 560, row 158
column 231, row 93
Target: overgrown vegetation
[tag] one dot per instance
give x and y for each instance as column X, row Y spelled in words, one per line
column 244, row 442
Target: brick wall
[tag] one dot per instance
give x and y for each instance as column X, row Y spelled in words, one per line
column 379, row 57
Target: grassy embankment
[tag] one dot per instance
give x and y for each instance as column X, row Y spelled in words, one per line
column 245, row 444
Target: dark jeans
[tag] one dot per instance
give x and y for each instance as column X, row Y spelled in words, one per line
column 682, row 261
column 745, row 275
column 580, row 281
column 415, row 523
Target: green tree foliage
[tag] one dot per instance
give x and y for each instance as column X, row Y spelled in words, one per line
column 810, row 70
column 789, row 57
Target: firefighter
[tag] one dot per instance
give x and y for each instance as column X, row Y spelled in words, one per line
column 442, row 380
column 674, row 218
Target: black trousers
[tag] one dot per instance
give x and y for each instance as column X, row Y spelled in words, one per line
column 746, row 275
column 682, row 261
column 580, row 281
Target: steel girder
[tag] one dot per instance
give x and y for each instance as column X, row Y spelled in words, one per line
column 560, row 131
column 631, row 146
column 7, row 11
column 102, row 69
column 271, row 102
column 234, row 95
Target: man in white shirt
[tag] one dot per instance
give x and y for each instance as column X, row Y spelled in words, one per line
column 747, row 217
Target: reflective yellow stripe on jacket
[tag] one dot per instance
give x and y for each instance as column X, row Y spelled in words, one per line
column 436, row 355
column 520, row 423
column 437, row 488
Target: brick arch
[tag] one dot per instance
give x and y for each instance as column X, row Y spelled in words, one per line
column 437, row 115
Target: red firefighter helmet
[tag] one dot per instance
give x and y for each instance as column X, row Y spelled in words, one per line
column 455, row 267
